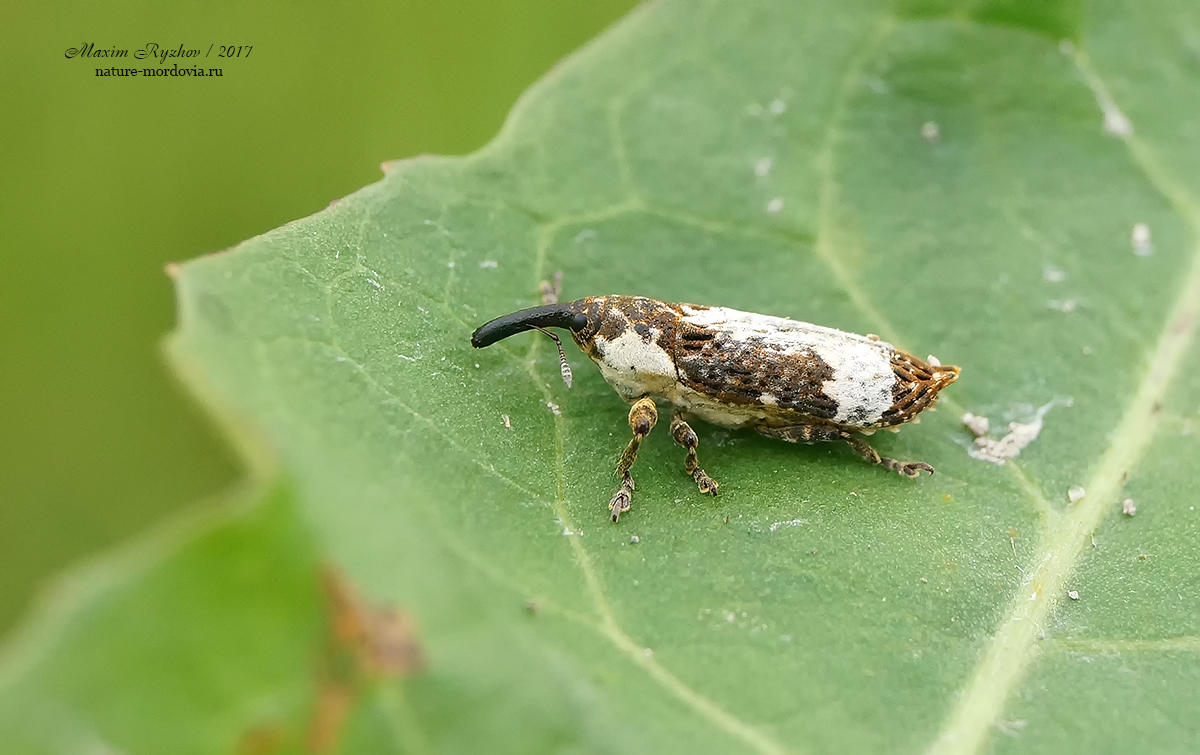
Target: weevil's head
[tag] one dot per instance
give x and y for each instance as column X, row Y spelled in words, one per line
column 573, row 316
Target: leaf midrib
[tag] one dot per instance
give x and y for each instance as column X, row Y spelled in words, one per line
column 1013, row 647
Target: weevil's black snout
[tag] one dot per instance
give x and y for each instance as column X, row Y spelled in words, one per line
column 547, row 316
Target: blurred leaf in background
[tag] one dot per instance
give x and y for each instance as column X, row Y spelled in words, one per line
column 1011, row 185
column 105, row 180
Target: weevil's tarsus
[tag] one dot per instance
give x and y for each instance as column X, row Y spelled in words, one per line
column 684, row 435
column 643, row 416
column 551, row 291
column 564, row 365
column 821, row 433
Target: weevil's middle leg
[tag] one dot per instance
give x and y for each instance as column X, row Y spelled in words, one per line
column 819, row 433
column 685, row 436
column 643, row 415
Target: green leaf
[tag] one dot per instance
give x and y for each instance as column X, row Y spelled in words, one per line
column 951, row 176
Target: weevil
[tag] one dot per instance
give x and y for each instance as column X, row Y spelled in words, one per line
column 783, row 378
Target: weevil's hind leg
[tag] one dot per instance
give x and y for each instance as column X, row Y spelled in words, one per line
column 643, row 415
column 685, row 436
column 906, row 468
column 820, row 433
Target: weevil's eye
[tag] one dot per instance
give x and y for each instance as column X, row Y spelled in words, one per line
column 579, row 322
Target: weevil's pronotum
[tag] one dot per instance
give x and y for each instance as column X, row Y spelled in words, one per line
column 785, row 379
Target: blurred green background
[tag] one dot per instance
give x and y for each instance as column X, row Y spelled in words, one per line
column 105, row 180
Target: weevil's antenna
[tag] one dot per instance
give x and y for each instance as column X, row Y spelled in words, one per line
column 565, row 366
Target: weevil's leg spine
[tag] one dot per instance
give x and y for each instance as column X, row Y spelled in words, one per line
column 643, row 416
column 685, row 436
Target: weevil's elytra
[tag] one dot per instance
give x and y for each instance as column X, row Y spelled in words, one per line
column 785, row 379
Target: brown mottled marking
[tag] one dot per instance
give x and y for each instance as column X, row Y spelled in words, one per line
column 741, row 372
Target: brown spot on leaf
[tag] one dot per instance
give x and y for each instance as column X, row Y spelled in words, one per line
column 329, row 715
column 383, row 638
column 366, row 644
column 265, row 739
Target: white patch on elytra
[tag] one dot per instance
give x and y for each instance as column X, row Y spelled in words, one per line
column 862, row 379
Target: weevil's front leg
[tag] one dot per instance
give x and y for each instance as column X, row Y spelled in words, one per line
column 643, row 415
column 820, row 433
column 685, row 436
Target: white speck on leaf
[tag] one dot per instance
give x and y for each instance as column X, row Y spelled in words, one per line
column 1066, row 307
column 489, row 264
column 763, row 167
column 979, row 426
column 634, row 539
column 1019, row 436
column 778, row 107
column 1128, row 508
column 1116, row 122
column 1073, row 594
column 406, row 358
column 375, row 283
column 1054, row 275
column 775, row 205
column 584, row 235
column 554, row 408
column 789, row 523
column 930, row 132
column 1076, row 493
column 1140, row 238
column 507, row 421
